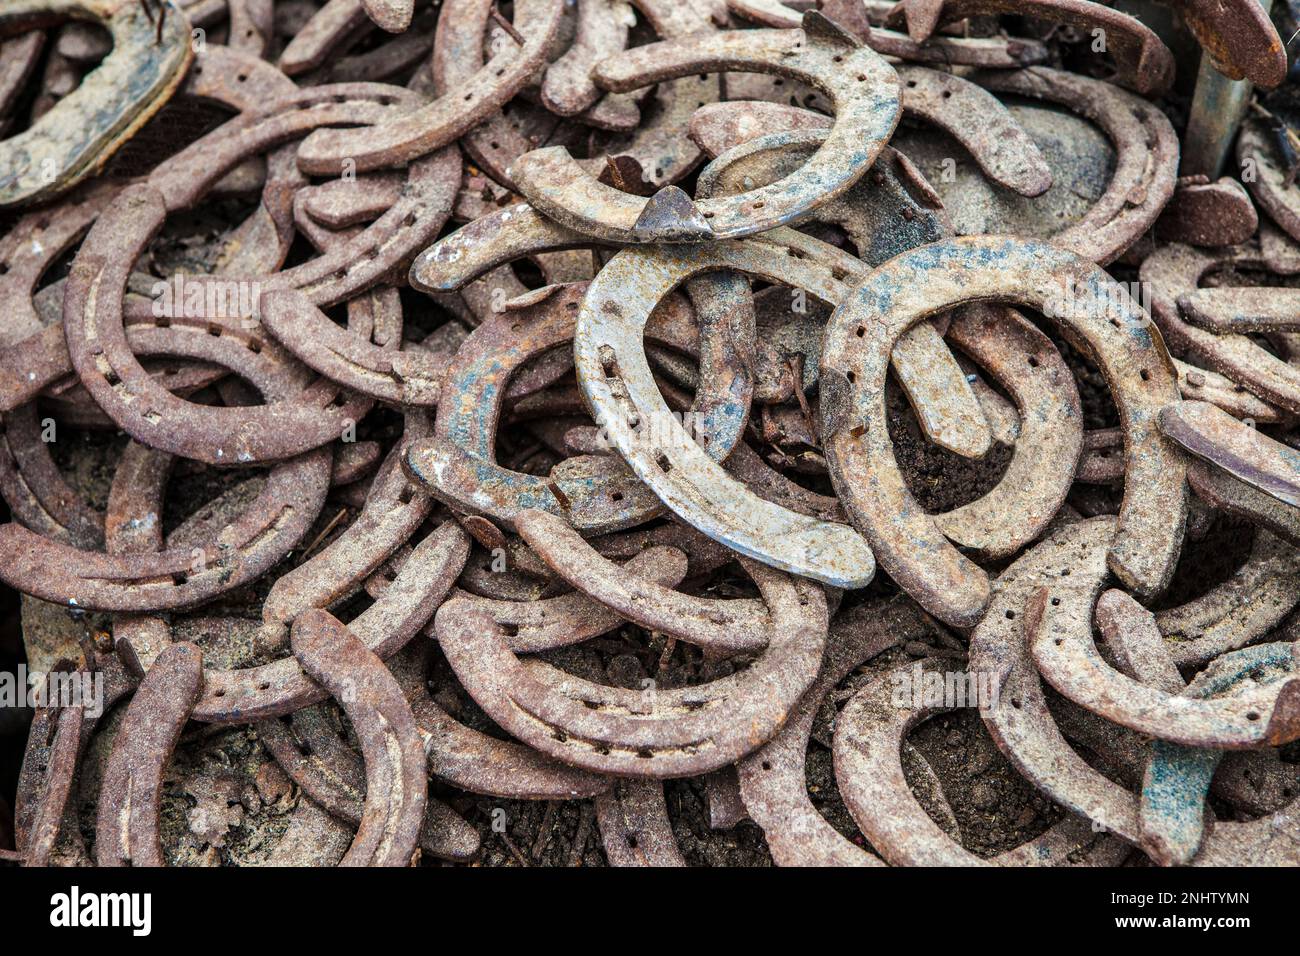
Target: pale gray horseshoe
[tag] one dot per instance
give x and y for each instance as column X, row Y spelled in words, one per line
column 864, row 91
column 1117, row 334
column 670, row 733
column 430, row 127
column 1176, row 270
column 869, row 733
column 620, row 388
column 1252, row 458
column 396, row 787
column 79, row 135
column 773, row 780
column 1058, row 630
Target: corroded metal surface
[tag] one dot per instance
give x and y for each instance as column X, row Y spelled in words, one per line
column 445, row 429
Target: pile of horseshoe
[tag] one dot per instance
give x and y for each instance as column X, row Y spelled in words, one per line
column 423, row 420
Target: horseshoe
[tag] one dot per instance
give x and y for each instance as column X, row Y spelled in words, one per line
column 1242, row 310
column 567, row 89
column 1248, row 605
column 238, row 553
column 992, row 52
column 391, row 16
column 431, row 127
column 36, row 493
column 620, row 389
column 1220, row 490
column 129, row 223
column 535, row 626
column 1146, row 165
column 396, row 788
column 869, row 734
column 1056, row 616
column 1269, row 186
column 1144, row 63
column 725, row 626
column 1001, row 148
column 393, row 511
column 1253, row 459
column 773, row 783
column 685, row 732
column 634, row 825
column 19, row 57
column 330, row 772
column 127, row 831
column 60, row 767
column 1202, row 385
column 78, row 136
column 475, row 762
column 332, row 26
column 1175, row 270
column 1239, row 39
column 407, row 378
column 596, row 493
column 927, row 280
column 862, row 87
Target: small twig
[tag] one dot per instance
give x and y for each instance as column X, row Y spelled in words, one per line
column 506, row 25
column 544, row 832
column 334, row 522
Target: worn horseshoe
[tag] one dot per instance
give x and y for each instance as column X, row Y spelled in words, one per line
column 1146, row 164
column 128, row 827
column 76, row 138
column 1251, row 603
column 773, row 782
column 308, row 748
column 668, row 734
column 941, row 51
column 864, row 91
column 1174, row 271
column 542, row 625
column 1270, row 185
column 1145, row 63
column 620, row 388
column 1250, row 457
column 428, row 128
column 634, row 825
column 1058, row 630
column 396, row 788
column 726, row 626
column 869, row 734
column 920, row 283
